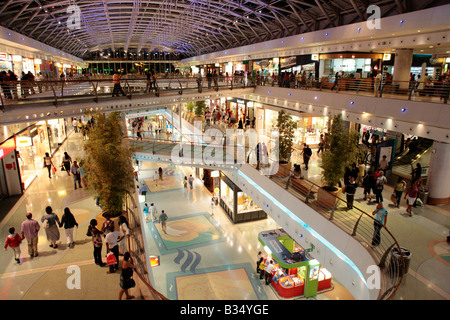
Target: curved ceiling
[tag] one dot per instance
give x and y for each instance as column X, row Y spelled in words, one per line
column 185, row 27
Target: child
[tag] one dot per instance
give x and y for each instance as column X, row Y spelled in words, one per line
column 14, row 240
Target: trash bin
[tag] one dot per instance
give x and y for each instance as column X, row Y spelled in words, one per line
column 396, row 258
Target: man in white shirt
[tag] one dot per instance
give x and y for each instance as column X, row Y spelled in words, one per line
column 191, row 182
column 112, row 240
column 268, row 272
column 384, row 164
column 153, row 212
column 377, row 84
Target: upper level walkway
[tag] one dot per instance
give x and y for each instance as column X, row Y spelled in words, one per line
column 23, row 101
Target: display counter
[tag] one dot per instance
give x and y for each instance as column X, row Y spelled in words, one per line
column 296, row 272
column 287, row 286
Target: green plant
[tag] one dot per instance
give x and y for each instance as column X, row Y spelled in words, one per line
column 108, row 163
column 190, row 106
column 286, row 128
column 200, row 107
column 341, row 150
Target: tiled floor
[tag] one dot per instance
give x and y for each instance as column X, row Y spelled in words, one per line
column 201, row 253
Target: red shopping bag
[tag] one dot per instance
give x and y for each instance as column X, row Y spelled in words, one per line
column 54, row 169
column 111, row 258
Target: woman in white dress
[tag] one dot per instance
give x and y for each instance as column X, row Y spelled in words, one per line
column 124, row 228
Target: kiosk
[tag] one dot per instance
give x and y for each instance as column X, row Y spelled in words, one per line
column 296, row 273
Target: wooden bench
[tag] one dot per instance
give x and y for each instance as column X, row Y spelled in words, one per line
column 304, row 186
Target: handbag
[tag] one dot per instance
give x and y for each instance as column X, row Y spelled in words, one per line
column 45, row 224
column 111, row 259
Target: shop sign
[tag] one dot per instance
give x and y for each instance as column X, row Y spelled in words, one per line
column 386, row 56
column 315, row 57
column 23, row 142
column 3, row 56
column 154, row 261
column 288, row 62
column 264, row 63
column 7, row 147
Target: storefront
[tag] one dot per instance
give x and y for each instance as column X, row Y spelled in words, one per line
column 5, row 62
column 240, row 108
column 266, row 67
column 10, row 180
column 237, row 205
column 57, row 133
column 296, row 273
column 353, row 65
column 304, row 64
column 309, row 127
column 433, row 68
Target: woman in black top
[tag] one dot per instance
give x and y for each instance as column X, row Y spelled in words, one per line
column 126, row 277
column 67, row 160
column 69, row 222
column 96, row 242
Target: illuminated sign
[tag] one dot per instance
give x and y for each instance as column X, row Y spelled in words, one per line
column 315, row 57
column 23, row 142
column 386, row 56
column 154, row 261
column 3, row 56
column 7, row 147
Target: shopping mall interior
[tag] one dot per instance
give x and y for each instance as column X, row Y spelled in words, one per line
column 258, row 151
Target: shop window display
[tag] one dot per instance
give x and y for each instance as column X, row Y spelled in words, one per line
column 236, row 204
column 245, row 204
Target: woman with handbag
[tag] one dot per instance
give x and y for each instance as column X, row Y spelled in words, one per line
column 126, row 277
column 50, row 222
column 66, row 161
column 48, row 164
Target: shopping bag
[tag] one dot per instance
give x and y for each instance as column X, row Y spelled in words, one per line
column 111, row 258
column 54, row 169
column 394, row 199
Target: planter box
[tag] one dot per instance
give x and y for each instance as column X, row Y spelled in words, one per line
column 328, row 199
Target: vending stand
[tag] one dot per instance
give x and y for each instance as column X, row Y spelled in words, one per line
column 296, row 273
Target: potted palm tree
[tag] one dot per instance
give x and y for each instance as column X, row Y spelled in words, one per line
column 341, row 149
column 108, row 163
column 190, row 111
column 286, row 129
column 199, row 111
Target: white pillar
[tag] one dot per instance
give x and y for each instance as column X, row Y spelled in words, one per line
column 439, row 174
column 402, row 67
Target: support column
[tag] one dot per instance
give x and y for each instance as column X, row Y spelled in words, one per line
column 439, row 174
column 402, row 67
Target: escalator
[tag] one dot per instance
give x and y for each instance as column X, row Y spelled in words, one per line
column 414, row 152
column 406, row 161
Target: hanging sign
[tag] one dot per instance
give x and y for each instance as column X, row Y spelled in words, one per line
column 7, row 147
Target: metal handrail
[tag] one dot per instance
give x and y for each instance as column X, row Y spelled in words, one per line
column 136, row 249
column 409, row 89
column 15, row 92
column 356, row 231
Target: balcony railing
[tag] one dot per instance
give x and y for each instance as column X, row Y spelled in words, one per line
column 426, row 91
column 25, row 93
